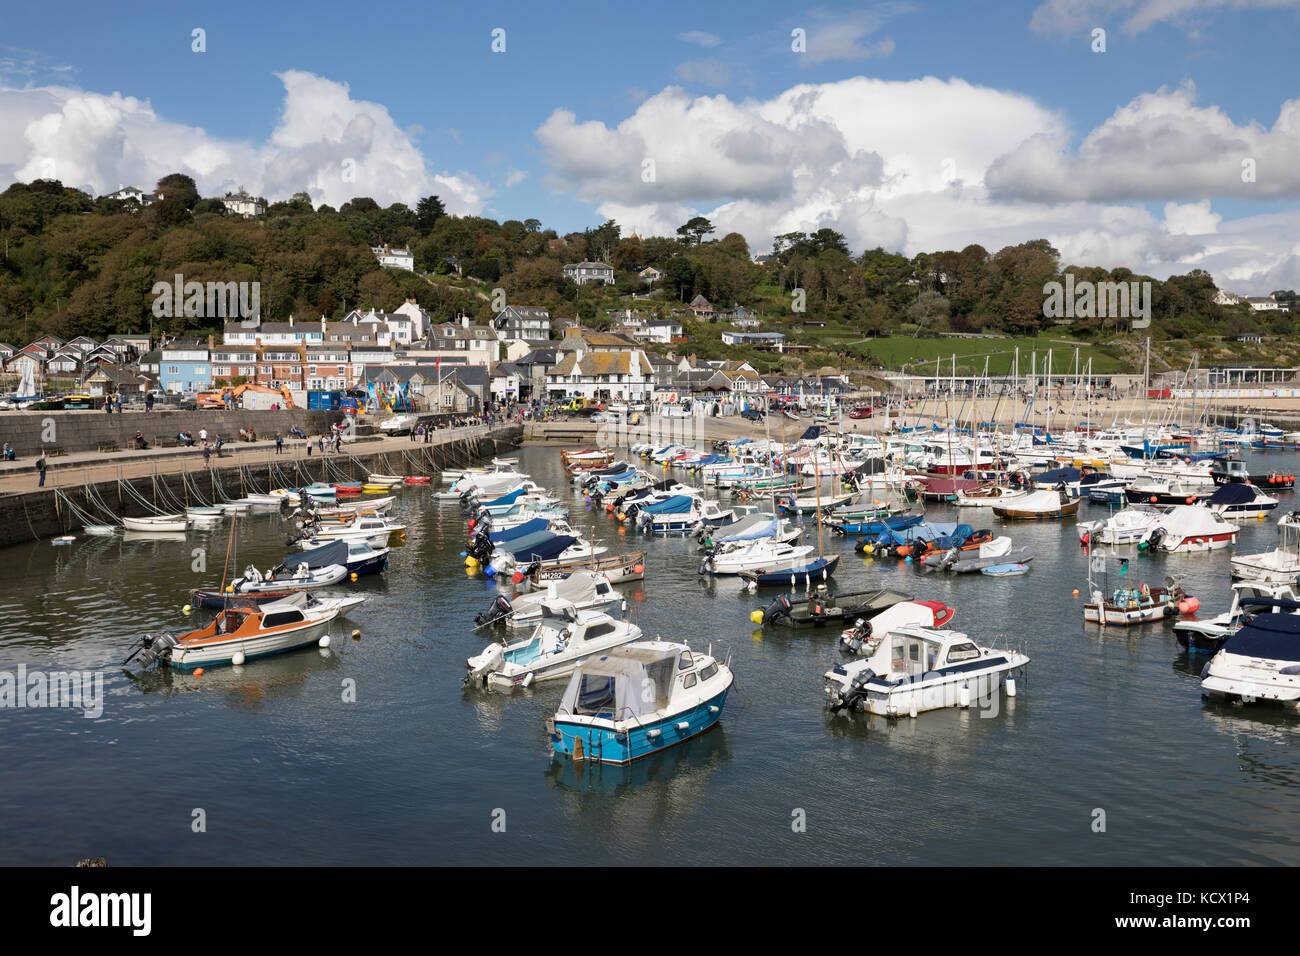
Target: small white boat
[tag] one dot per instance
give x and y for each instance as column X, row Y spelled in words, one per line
column 374, row 531
column 391, row 480
column 155, row 523
column 916, row 668
column 562, row 638
column 1279, row 566
column 1123, row 527
column 101, row 530
column 254, row 582
column 398, row 424
column 758, row 556
column 581, row 590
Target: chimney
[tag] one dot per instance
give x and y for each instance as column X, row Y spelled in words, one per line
column 464, row 321
column 322, row 326
column 209, row 341
column 290, row 320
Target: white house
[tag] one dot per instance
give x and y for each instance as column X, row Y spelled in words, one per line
column 394, row 258
column 1262, row 303
column 584, row 272
column 242, row 204
column 602, row 375
column 1224, row 297
column 133, row 192
column 659, row 331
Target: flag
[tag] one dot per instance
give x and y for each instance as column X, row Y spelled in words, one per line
column 1123, row 566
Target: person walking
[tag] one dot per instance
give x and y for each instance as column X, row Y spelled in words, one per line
column 279, row 443
column 148, row 401
column 203, row 435
column 117, row 403
column 207, row 454
column 40, row 465
column 108, row 406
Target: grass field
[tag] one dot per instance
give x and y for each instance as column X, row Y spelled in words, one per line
column 918, row 354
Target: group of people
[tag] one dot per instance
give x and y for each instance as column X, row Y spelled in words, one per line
column 248, row 434
column 112, row 403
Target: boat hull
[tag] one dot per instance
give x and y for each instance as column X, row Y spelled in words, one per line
column 602, row 743
column 222, row 652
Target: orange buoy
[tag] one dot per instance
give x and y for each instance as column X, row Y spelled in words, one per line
column 1076, row 592
column 1153, row 499
column 198, row 672
column 638, row 569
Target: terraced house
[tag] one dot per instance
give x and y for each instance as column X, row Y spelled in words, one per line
column 602, row 376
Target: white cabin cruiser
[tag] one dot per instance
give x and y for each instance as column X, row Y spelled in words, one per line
column 762, row 555
column 1279, row 566
column 1123, row 527
column 1191, row 528
column 562, row 639
column 1261, row 662
column 915, row 668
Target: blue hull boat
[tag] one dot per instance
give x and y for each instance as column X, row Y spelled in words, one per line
column 807, row 575
column 893, row 523
column 638, row 700
column 1005, row 570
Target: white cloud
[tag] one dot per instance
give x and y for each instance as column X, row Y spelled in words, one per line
column 1065, row 17
column 97, row 141
column 1191, row 219
column 843, row 37
column 700, row 38
column 908, row 166
column 514, row 177
column 1161, row 146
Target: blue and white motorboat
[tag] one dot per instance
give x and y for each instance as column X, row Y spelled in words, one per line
column 638, row 700
column 1260, row 662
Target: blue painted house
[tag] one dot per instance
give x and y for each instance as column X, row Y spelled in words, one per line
column 185, row 366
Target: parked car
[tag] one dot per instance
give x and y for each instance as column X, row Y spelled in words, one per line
column 860, row 411
column 753, row 414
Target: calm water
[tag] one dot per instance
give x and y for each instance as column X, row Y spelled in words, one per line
column 415, row 770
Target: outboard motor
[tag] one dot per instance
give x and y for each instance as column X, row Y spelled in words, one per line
column 706, row 563
column 854, row 693
column 853, row 640
column 499, row 610
column 776, row 610
column 153, row 649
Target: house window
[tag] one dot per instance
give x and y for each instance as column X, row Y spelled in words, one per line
column 173, row 370
column 446, row 399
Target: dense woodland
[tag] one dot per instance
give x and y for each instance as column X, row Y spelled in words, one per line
column 74, row 265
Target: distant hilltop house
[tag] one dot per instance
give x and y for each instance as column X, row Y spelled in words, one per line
column 242, row 204
column 584, row 272
column 133, row 192
column 1224, row 297
column 1251, row 338
column 1262, row 303
column 650, row 274
column 394, row 258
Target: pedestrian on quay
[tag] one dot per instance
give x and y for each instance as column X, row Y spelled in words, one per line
column 117, row 403
column 148, row 401
column 207, row 453
column 279, row 443
column 203, row 435
column 108, row 406
column 40, row 466
column 308, row 447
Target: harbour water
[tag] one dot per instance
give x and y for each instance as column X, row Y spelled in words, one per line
column 371, row 752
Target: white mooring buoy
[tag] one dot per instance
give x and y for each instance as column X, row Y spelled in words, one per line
column 963, row 697
column 237, row 658
column 324, row 641
column 1011, row 686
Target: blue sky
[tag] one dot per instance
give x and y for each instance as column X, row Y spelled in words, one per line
column 471, row 116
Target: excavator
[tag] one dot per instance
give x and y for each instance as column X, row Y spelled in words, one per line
column 217, row 398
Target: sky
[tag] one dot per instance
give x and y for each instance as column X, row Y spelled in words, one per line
column 1158, row 135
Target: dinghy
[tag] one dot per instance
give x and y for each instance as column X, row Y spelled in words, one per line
column 1039, row 505
column 822, row 607
column 155, row 523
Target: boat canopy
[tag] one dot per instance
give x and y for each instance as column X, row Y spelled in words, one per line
column 523, row 542
column 507, row 499
column 677, row 504
column 611, row 686
column 543, row 550
column 1233, row 493
column 531, row 526
column 759, row 529
column 336, row 552
column 1056, row 475
column 928, row 531
column 1273, row 637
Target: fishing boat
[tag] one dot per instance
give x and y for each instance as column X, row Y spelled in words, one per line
column 1190, row 528
column 915, row 668
column 819, row 569
column 619, row 568
column 1041, row 505
column 242, row 631
column 582, row 590
column 866, row 633
column 822, row 607
column 1206, row 637
column 1279, row 566
column 638, row 700
column 1259, row 663
column 563, row 636
column 1127, row 606
column 175, row 522
column 1225, row 470
column 1160, row 491
column 875, row 526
